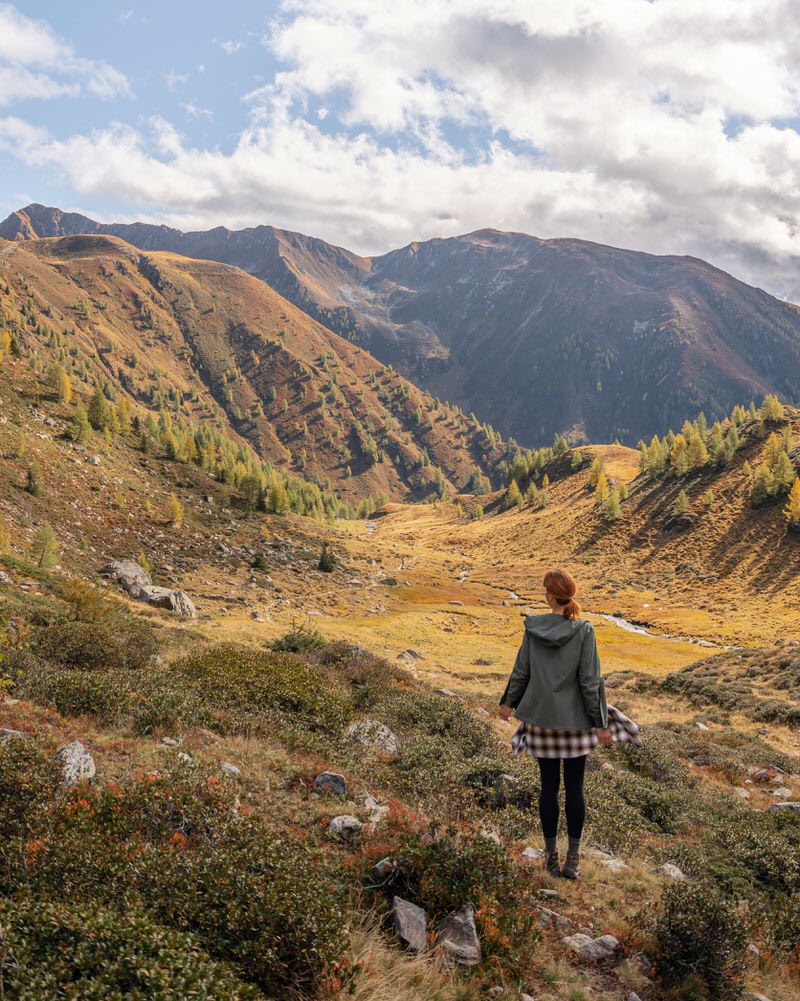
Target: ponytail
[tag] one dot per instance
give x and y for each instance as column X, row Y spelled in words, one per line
column 563, row 587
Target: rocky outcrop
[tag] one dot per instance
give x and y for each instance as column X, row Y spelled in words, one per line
column 593, row 949
column 375, row 735
column 136, row 582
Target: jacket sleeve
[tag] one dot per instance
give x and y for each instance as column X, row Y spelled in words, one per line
column 592, row 688
column 520, row 676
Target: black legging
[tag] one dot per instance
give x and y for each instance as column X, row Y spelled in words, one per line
column 550, row 769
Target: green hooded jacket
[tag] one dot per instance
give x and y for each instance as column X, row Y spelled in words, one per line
column 556, row 679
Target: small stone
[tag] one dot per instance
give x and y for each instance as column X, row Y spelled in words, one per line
column 410, row 922
column 525, row 997
column 383, row 869
column 345, row 827
column 4, row 578
column 77, row 765
column 169, row 741
column 457, row 937
column 669, row 871
column 376, row 812
column 331, row 782
column 702, row 726
column 374, row 734
column 459, row 604
column 445, row 692
column 741, row 792
column 505, row 789
column 230, row 770
column 594, row 949
column 8, row 734
column 548, row 894
column 779, row 807
column 614, row 864
column 633, row 997
column 184, row 757
column 551, row 919
column 533, row 853
column 490, row 835
column 495, row 992
column 782, row 793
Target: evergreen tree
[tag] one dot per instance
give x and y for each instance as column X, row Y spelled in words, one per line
column 21, row 446
column 697, row 453
column 681, row 505
column 60, row 381
column 679, row 456
column 601, row 490
column 623, row 492
column 771, row 410
column 763, row 485
column 175, row 512
column 513, row 495
column 278, row 502
column 612, row 509
column 3, row 535
column 792, row 510
column 532, row 493
column 80, row 429
column 595, row 470
column 784, row 472
column 35, row 480
column 98, row 410
column 44, row 551
column 577, row 460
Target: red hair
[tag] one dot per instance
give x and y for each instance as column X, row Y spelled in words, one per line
column 563, row 587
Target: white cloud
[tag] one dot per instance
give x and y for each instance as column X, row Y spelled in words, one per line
column 192, row 109
column 231, row 48
column 664, row 126
column 36, row 64
column 174, row 80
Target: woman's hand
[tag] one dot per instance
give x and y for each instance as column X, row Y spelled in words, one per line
column 505, row 712
column 604, row 736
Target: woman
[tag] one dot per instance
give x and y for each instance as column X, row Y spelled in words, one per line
column 557, row 693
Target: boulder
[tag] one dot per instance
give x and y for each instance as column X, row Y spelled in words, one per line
column 77, row 765
column 457, row 937
column 594, row 949
column 669, row 871
column 231, row 771
column 129, row 575
column 331, row 782
column 345, row 827
column 164, row 597
column 376, row 812
column 410, row 922
column 4, row 578
column 778, row 807
column 375, row 735
column 551, row 919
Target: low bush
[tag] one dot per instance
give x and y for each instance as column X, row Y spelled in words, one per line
column 123, row 642
column 702, row 942
column 301, row 639
column 28, row 779
column 92, row 953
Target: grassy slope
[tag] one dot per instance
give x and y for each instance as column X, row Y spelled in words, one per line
column 227, row 342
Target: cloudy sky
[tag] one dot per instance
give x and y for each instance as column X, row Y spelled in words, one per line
column 670, row 126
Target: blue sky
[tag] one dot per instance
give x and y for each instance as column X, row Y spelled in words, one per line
column 661, row 125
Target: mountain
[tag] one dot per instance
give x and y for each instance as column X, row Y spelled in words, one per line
column 534, row 336
column 210, row 343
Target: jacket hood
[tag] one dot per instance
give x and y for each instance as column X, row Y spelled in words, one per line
column 552, row 629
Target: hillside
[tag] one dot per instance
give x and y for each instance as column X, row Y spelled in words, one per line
column 233, row 826
column 210, row 343
column 534, row 336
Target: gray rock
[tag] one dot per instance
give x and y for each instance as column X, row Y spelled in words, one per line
column 8, row 734
column 548, row 894
column 383, row 869
column 457, row 937
column 496, row 992
column 669, row 871
column 169, row 741
column 4, row 578
column 376, row 812
column 77, row 765
column 164, row 597
column 410, row 922
column 533, row 853
column 129, row 575
column 594, row 949
column 777, row 807
column 741, row 792
column 505, row 789
column 331, row 782
column 94, row 460
column 525, row 997
column 230, row 770
column 614, row 864
column 782, row 793
column 445, row 693
column 633, row 997
column 374, row 734
column 345, row 827
column 551, row 919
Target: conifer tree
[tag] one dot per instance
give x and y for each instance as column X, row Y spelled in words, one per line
column 771, row 410
column 3, row 535
column 792, row 510
column 44, row 551
column 175, row 512
column 681, row 505
column 623, row 491
column 513, row 495
column 601, row 490
column 678, row 456
column 98, row 410
column 60, row 381
column 35, row 480
column 595, row 470
column 80, row 429
column 613, row 509
column 697, row 453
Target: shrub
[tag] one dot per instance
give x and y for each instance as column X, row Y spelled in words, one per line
column 701, row 941
column 27, row 780
column 301, row 639
column 327, row 560
column 126, row 642
column 86, row 951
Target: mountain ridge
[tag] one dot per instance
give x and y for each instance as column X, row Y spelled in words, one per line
column 535, row 336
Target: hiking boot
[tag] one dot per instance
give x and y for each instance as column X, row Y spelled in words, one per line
column 572, row 863
column 552, row 863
